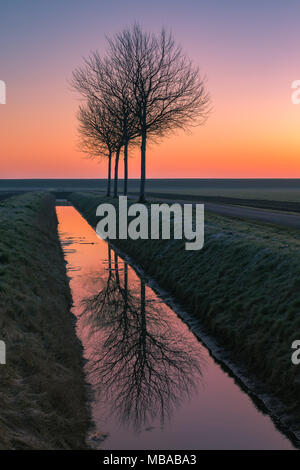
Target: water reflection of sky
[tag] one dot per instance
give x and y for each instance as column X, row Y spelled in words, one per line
column 141, row 364
column 156, row 386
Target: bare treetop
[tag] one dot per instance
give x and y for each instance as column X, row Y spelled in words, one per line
column 165, row 87
column 149, row 88
column 96, row 129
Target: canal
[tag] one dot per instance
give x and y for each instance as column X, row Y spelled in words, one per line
column 155, row 385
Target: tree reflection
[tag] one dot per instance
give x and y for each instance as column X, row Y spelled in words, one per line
column 141, row 365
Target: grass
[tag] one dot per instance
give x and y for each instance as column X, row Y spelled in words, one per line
column 244, row 286
column 42, row 389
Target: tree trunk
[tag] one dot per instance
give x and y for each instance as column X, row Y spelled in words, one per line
column 125, row 168
column 117, row 270
column 109, row 175
column 143, row 333
column 116, row 172
column 143, row 167
column 125, row 287
column 109, row 262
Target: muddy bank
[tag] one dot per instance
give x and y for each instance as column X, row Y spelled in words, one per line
column 43, row 394
column 243, row 286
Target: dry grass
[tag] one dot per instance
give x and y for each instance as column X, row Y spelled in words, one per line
column 42, row 390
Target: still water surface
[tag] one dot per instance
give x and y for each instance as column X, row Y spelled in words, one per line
column 156, row 386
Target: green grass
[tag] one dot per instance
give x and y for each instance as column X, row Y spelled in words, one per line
column 244, row 286
column 42, row 389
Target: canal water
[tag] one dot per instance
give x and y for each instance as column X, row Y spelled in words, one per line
column 155, row 385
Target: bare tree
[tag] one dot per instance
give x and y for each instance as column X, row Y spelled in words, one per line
column 165, row 89
column 99, row 81
column 98, row 136
column 116, row 92
column 149, row 86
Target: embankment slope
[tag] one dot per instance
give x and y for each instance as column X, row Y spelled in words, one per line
column 42, row 389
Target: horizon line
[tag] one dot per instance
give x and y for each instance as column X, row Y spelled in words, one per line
column 167, row 178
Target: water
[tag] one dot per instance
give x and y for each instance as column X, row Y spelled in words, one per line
column 156, row 386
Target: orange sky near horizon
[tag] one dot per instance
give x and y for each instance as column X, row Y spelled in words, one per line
column 253, row 131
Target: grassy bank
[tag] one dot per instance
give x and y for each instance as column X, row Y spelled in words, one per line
column 42, row 385
column 244, row 285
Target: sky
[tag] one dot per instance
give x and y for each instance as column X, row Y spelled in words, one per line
column 248, row 51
